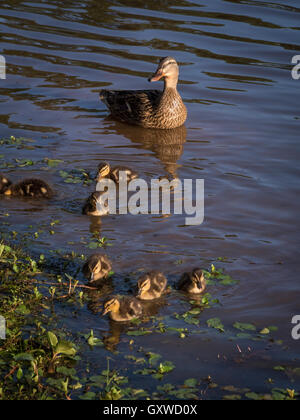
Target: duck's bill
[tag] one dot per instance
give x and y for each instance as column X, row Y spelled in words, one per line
column 105, row 311
column 157, row 76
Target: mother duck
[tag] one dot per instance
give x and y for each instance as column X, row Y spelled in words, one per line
column 150, row 108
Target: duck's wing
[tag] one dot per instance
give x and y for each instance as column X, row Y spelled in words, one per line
column 183, row 282
column 129, row 306
column 131, row 105
column 161, row 282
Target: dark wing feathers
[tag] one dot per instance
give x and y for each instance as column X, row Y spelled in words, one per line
column 131, row 106
column 184, row 281
column 33, row 188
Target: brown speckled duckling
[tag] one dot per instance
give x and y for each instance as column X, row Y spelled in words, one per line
column 105, row 171
column 193, row 282
column 151, row 285
column 95, row 205
column 33, row 188
column 150, row 108
column 97, row 267
column 123, row 308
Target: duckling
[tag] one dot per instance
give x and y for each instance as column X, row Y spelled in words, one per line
column 97, row 267
column 34, row 188
column 95, row 205
column 4, row 183
column 115, row 173
column 151, row 285
column 103, row 171
column 150, row 108
column 193, row 282
column 123, row 308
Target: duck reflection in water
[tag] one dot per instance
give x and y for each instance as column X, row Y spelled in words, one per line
column 167, row 145
column 96, row 226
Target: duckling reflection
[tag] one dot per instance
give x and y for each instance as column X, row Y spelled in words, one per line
column 113, row 337
column 167, row 145
column 96, row 225
column 152, row 307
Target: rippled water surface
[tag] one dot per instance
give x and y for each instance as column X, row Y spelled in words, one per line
column 241, row 137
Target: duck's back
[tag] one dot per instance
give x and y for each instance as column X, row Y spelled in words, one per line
column 32, row 188
column 130, row 307
column 184, row 282
column 133, row 107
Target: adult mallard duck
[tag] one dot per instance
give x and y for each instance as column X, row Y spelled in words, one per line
column 34, row 188
column 97, row 267
column 123, row 308
column 95, row 205
column 105, row 171
column 193, row 282
column 151, row 285
column 150, row 108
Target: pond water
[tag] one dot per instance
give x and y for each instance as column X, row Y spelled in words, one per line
column 241, row 137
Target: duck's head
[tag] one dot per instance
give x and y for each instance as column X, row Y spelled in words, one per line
column 167, row 68
column 198, row 278
column 144, row 284
column 4, row 184
column 95, row 269
column 111, row 305
column 103, row 171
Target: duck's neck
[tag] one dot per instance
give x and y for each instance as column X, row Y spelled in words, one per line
column 170, row 83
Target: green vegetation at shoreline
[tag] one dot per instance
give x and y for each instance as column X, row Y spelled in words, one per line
column 26, row 356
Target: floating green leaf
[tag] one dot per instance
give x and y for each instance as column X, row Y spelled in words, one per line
column 138, row 332
column 216, row 323
column 244, row 326
column 190, row 383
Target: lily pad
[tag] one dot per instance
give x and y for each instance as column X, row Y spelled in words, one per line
column 244, row 326
column 216, row 323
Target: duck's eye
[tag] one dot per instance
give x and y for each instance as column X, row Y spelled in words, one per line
column 168, row 64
